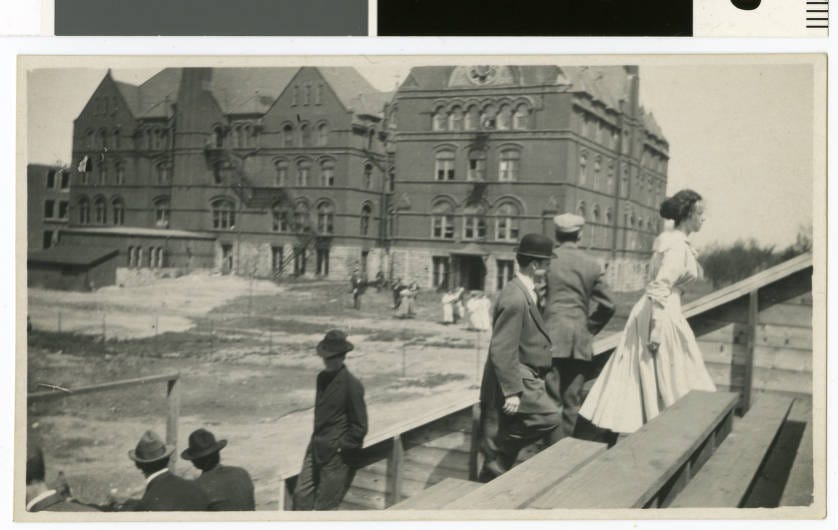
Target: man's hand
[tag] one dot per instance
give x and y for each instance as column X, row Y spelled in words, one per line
column 510, row 406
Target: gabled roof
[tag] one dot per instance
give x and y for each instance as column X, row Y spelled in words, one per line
column 651, row 124
column 249, row 90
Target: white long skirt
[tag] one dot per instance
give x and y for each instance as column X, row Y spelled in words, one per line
column 636, row 386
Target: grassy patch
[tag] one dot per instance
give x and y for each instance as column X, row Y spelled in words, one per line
column 432, row 380
column 397, row 335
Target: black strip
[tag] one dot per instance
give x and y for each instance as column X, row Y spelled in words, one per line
column 807, row 18
column 664, row 18
column 211, row 17
column 817, row 26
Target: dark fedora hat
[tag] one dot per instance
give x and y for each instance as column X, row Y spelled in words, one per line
column 536, row 245
column 150, row 448
column 334, row 343
column 202, row 443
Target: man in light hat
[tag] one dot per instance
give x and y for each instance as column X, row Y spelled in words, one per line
column 229, row 488
column 578, row 305
column 340, row 424
column 164, row 490
column 516, row 408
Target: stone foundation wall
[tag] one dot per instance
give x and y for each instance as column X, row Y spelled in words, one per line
column 133, row 277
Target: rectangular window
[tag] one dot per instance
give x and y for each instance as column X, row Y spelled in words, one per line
column 48, row 235
column 440, row 271
column 49, row 209
column 444, row 169
column 276, row 259
column 508, row 170
column 50, row 179
column 443, row 227
column 474, row 227
column 63, row 209
column 477, row 169
column 506, row 271
column 65, row 180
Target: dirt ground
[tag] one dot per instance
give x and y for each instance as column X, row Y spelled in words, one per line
column 245, row 352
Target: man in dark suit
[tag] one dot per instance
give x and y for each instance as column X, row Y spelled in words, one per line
column 39, row 497
column 579, row 304
column 164, row 490
column 357, row 288
column 229, row 488
column 516, row 408
column 340, row 424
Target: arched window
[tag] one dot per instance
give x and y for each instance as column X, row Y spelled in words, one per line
column 237, row 136
column 322, row 135
column 439, row 119
column 597, row 170
column 305, row 135
column 131, row 259
column 301, row 217
column 327, row 173
column 103, row 139
column 444, row 166
column 488, row 117
column 582, row 210
column 583, row 168
column 609, row 217
column 103, row 173
column 474, row 223
column 391, row 180
column 295, row 96
column 164, row 138
column 118, row 209
column 366, row 216
column 120, row 173
column 288, row 135
column 472, row 118
column 89, row 139
column 280, row 216
column 442, row 220
column 504, row 121
column 116, row 138
column 303, row 170
column 368, row 180
column 476, row 165
column 164, row 173
column 100, row 211
column 455, row 119
column 281, row 172
column 392, row 222
column 522, row 117
column 218, row 136
column 84, row 211
column 318, row 95
column 624, row 182
column 223, row 214
column 161, row 212
column 509, row 164
column 506, row 222
column 609, row 178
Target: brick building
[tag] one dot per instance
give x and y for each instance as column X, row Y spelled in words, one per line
column 48, row 203
column 484, row 154
column 252, row 170
column 264, row 171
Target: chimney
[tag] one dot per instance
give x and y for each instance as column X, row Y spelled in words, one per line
column 633, row 73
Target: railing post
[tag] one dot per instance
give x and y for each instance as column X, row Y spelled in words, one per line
column 747, row 384
column 474, row 448
column 286, row 501
column 173, row 401
column 394, row 471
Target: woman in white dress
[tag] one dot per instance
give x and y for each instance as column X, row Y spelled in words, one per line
column 657, row 360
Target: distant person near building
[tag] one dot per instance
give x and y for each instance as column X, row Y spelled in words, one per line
column 357, row 287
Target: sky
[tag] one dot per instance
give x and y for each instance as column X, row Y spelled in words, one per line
column 740, row 135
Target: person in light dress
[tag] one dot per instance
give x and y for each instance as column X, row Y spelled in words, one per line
column 657, row 360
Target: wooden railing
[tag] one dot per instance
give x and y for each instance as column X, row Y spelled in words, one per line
column 172, row 399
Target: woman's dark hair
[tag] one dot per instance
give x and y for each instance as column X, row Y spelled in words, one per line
column 679, row 206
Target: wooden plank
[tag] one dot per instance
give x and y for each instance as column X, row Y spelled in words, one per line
column 394, row 471
column 725, row 478
column 437, row 495
column 113, row 385
column 429, row 475
column 450, row 441
column 524, row 482
column 786, row 337
column 768, row 357
column 417, row 420
column 787, row 315
column 630, row 474
column 765, row 379
column 370, row 481
column 368, row 499
column 799, row 487
column 431, row 456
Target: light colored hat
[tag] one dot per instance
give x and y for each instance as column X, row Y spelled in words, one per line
column 569, row 222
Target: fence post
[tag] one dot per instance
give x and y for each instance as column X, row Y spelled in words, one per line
column 173, row 401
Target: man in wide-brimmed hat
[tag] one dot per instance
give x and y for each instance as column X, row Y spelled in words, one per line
column 164, row 490
column 229, row 488
column 516, row 408
column 340, row 424
column 579, row 304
